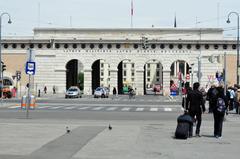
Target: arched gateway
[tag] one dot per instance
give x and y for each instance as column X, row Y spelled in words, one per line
column 120, row 58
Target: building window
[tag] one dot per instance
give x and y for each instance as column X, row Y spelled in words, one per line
column 171, row 46
column 57, row 46
column 198, row 46
column 162, row 46
column 148, row 79
column 133, row 74
column 14, row 46
column 148, row 73
column 100, row 46
column 102, row 73
column 135, row 46
column 179, row 46
column 189, row 46
column 31, row 46
column 153, row 46
column 158, row 65
column 109, row 46
column 102, row 65
column 132, row 79
column 74, row 46
column 158, row 73
column 118, row 46
column 48, row 46
column 124, row 79
column 132, row 65
column 216, row 46
column 22, row 46
column 225, row 46
column 124, row 65
column 234, row 46
column 124, row 73
column 109, row 73
column 101, row 79
column 148, row 65
column 206, row 46
column 39, row 46
column 83, row 46
column 5, row 46
column 91, row 46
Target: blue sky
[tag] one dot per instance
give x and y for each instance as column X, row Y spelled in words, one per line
column 28, row 14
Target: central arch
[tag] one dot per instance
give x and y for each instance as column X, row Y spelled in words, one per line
column 74, row 74
column 100, row 74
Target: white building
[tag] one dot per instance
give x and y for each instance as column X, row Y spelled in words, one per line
column 115, row 57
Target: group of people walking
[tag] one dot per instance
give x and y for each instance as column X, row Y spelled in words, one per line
column 194, row 104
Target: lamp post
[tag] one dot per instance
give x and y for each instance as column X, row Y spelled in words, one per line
column 9, row 21
column 228, row 21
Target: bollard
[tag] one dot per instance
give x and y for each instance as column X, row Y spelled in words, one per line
column 24, row 102
column 32, row 102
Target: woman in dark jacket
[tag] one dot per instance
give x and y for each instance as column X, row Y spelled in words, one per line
column 218, row 116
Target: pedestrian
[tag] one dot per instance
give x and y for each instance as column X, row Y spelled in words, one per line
column 195, row 106
column 231, row 96
column 54, row 89
column 211, row 97
column 114, row 92
column 219, row 110
column 45, row 89
column 39, row 93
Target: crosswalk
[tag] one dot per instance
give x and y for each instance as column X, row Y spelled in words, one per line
column 123, row 108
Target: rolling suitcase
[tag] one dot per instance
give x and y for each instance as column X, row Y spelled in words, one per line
column 184, row 127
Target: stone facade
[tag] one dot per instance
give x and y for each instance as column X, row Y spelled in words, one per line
column 54, row 48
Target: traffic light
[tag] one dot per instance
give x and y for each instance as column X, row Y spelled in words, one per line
column 190, row 69
column 3, row 66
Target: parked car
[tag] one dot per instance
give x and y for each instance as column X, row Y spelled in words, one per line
column 102, row 92
column 73, row 92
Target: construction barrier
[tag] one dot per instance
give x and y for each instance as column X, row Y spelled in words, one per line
column 32, row 103
column 24, row 102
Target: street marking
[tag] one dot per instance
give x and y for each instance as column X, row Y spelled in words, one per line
column 125, row 109
column 98, row 108
column 139, row 109
column 168, row 109
column 111, row 108
column 153, row 109
column 69, row 108
column 14, row 107
column 55, row 107
column 83, row 108
column 43, row 107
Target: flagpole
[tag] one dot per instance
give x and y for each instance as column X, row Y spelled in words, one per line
column 131, row 14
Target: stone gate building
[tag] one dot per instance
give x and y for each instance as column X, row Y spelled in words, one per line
column 140, row 57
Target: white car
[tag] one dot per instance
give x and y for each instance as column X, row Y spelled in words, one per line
column 101, row 92
column 73, row 92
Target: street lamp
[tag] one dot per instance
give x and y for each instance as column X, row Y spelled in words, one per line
column 9, row 21
column 228, row 21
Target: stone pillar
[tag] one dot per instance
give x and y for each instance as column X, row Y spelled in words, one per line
column 139, row 82
column 113, row 80
column 166, row 82
column 88, row 82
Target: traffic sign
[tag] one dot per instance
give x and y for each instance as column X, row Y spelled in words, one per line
column 30, row 68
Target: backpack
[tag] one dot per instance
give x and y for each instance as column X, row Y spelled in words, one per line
column 221, row 107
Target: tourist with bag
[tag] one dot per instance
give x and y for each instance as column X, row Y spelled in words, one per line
column 219, row 111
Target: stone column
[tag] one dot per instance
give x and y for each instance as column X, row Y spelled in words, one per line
column 88, row 81
column 139, row 82
column 113, row 80
column 166, row 82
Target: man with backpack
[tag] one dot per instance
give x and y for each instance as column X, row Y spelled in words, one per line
column 219, row 111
